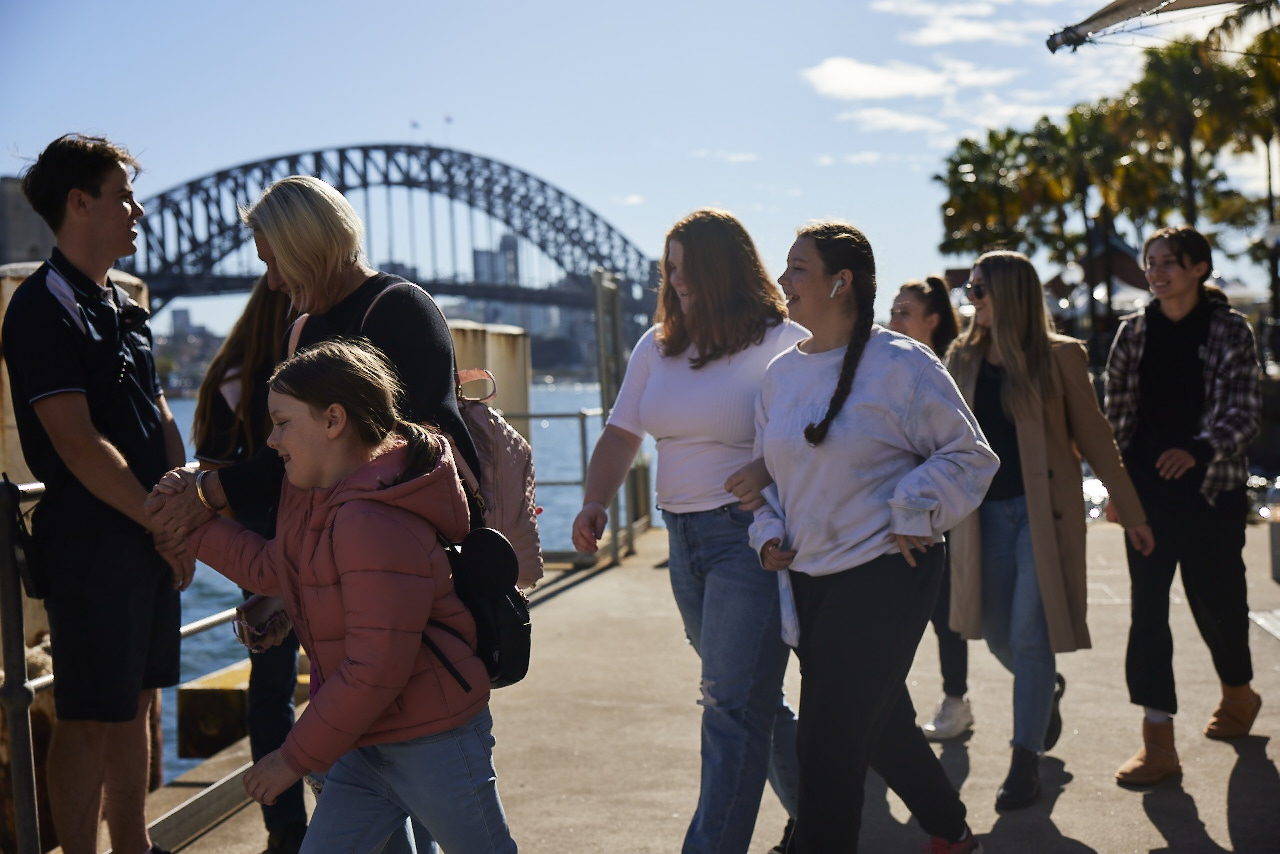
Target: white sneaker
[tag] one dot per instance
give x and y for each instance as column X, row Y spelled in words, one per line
column 952, row 718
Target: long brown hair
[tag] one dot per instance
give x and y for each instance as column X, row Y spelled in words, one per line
column 843, row 247
column 359, row 378
column 734, row 300
column 1020, row 333
column 252, row 347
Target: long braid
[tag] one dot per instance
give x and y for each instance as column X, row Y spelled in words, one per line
column 843, row 247
column 815, row 433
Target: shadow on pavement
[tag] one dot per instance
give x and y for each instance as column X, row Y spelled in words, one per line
column 880, row 830
column 1032, row 829
column 1253, row 797
column 1253, row 807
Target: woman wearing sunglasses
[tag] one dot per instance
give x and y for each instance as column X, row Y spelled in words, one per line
column 1018, row 564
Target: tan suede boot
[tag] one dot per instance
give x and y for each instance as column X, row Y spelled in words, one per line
column 1155, row 761
column 1236, row 712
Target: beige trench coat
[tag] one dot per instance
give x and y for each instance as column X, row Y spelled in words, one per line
column 1047, row 444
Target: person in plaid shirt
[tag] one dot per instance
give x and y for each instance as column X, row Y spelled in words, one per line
column 1183, row 398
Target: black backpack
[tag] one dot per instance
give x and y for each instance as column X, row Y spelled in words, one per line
column 485, row 570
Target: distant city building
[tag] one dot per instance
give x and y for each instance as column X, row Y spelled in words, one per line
column 498, row 267
column 24, row 236
column 181, row 321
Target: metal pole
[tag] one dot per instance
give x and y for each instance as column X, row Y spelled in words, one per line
column 16, row 695
column 606, row 289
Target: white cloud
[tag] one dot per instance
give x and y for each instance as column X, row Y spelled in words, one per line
column 848, row 79
column 825, row 160
column 879, row 118
column 862, row 158
column 632, row 199
column 955, row 30
column 995, row 111
column 953, row 23
column 726, row 156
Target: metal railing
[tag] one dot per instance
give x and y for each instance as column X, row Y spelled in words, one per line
column 18, row 692
column 637, row 485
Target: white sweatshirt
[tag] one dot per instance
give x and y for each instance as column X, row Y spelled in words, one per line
column 905, row 455
column 703, row 420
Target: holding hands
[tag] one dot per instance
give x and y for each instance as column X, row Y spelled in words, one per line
column 175, row 505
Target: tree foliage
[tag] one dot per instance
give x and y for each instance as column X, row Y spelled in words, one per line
column 1125, row 163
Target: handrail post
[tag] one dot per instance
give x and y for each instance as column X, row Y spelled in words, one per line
column 16, row 694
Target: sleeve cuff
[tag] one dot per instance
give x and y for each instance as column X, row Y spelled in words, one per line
column 292, row 761
column 912, row 517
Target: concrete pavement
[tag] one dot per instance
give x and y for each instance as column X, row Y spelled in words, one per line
column 598, row 749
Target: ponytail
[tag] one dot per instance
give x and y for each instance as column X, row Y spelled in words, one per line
column 424, row 449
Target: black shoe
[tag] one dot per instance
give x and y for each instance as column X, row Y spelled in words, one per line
column 286, row 840
column 781, row 847
column 1055, row 716
column 1022, row 786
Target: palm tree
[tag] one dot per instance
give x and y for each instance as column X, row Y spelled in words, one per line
column 1188, row 101
column 1239, row 20
column 983, row 207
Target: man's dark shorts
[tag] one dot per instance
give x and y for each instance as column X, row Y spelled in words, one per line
column 114, row 618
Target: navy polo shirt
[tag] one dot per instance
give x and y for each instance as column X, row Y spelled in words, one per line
column 65, row 333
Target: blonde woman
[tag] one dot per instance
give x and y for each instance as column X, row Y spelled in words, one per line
column 1018, row 564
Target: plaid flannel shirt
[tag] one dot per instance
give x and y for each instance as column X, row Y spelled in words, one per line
column 1232, row 416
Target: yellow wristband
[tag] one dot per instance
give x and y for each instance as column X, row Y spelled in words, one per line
column 200, row 491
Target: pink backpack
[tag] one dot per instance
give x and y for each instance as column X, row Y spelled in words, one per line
column 505, row 490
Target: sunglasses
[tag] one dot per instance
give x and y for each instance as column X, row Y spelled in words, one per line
column 976, row 290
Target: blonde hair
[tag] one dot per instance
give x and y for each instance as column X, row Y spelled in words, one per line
column 314, row 233
column 1019, row 336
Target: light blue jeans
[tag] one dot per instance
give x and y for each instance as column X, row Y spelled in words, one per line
column 1013, row 620
column 445, row 782
column 729, row 605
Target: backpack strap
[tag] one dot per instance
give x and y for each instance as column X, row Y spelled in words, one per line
column 470, row 375
column 444, row 660
column 295, row 332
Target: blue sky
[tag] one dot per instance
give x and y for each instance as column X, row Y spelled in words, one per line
column 644, row 112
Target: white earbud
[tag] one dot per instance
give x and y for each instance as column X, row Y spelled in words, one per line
column 835, row 289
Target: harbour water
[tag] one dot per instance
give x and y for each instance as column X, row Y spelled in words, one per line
column 556, row 457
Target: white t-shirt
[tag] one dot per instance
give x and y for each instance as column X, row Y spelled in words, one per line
column 703, row 421
column 904, row 455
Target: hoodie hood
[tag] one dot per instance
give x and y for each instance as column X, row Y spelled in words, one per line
column 436, row 496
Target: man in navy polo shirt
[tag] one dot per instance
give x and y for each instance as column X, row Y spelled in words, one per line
column 94, row 426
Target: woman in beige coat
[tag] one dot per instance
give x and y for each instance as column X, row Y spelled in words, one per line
column 1018, row 564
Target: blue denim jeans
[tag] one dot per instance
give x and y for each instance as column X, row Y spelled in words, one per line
column 446, row 782
column 1013, row 620
column 729, row 605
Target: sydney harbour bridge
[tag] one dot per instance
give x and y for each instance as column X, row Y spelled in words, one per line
column 419, row 203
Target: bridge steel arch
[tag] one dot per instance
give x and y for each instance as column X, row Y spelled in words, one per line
column 188, row 229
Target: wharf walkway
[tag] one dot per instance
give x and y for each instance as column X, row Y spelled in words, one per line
column 598, row 749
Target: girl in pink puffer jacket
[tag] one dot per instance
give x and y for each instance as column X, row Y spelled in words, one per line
column 357, row 560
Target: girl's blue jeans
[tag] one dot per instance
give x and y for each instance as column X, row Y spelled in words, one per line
column 729, row 604
column 446, row 782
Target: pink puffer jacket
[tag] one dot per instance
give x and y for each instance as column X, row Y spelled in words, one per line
column 361, row 571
